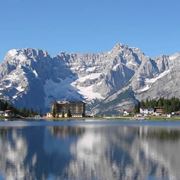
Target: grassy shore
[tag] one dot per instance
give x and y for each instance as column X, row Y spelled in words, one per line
column 131, row 118
column 153, row 118
column 173, row 118
column 159, row 118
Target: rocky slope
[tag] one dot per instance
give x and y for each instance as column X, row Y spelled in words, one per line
column 109, row 82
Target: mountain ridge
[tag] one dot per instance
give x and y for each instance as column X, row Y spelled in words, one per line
column 32, row 78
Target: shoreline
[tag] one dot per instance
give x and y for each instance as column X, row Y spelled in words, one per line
column 108, row 118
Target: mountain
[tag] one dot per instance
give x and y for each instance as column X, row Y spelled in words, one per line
column 154, row 78
column 109, row 81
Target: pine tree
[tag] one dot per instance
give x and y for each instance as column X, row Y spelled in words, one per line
column 69, row 113
column 54, row 109
column 137, row 107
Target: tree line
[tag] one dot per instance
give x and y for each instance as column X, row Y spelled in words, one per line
column 5, row 105
column 169, row 105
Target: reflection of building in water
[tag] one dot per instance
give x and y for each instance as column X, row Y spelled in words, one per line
column 68, row 109
column 64, row 132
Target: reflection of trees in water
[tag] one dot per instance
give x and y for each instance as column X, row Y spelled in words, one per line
column 3, row 133
column 64, row 132
column 163, row 134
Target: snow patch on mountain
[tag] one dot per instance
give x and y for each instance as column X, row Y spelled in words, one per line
column 20, row 88
column 88, row 93
column 150, row 81
column 153, row 80
column 35, row 73
column 89, row 77
column 12, row 53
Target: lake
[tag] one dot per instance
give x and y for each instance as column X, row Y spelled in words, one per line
column 90, row 150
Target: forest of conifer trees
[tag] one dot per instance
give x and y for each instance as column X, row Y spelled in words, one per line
column 169, row 105
column 24, row 112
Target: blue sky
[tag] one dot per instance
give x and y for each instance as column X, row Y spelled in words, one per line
column 90, row 25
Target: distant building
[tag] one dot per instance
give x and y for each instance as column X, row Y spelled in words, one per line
column 126, row 113
column 176, row 113
column 159, row 111
column 49, row 115
column 1, row 113
column 146, row 111
column 8, row 113
column 68, row 109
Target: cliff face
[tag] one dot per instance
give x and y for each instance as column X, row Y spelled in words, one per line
column 106, row 81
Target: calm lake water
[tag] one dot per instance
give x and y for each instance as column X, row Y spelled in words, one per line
column 90, row 150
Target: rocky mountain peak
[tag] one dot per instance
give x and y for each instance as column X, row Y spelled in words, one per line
column 119, row 48
column 32, row 78
column 23, row 55
column 175, row 56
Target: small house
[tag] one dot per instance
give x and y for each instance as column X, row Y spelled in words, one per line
column 126, row 113
column 8, row 113
column 49, row 115
column 1, row 113
column 159, row 111
column 146, row 111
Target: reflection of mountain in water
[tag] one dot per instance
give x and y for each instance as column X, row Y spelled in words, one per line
column 12, row 154
column 89, row 153
column 119, row 153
